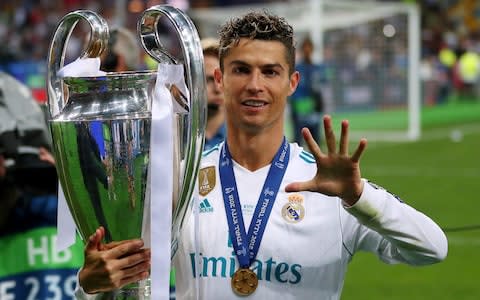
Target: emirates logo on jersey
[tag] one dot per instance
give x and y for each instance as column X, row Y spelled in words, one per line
column 206, row 180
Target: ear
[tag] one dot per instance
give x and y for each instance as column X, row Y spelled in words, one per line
column 217, row 75
column 294, row 80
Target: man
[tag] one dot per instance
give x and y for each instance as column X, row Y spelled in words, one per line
column 123, row 52
column 283, row 223
column 215, row 130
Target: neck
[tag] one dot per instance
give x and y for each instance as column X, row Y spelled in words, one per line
column 253, row 151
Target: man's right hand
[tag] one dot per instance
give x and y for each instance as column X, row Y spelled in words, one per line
column 114, row 265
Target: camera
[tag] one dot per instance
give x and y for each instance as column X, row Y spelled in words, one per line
column 23, row 131
column 24, row 168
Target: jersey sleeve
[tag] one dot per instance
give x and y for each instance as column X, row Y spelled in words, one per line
column 395, row 231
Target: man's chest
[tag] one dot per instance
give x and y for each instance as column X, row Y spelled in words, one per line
column 301, row 229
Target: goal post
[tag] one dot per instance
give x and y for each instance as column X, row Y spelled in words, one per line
column 371, row 51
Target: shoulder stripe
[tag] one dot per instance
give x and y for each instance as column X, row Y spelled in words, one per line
column 308, row 154
column 207, row 152
column 307, row 158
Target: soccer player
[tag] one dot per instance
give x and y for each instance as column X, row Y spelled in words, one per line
column 281, row 223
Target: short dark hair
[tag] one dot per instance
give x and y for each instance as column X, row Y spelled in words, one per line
column 210, row 47
column 261, row 26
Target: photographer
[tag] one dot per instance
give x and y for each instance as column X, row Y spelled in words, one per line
column 30, row 265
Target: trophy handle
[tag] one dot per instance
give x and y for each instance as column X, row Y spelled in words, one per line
column 56, row 55
column 195, row 80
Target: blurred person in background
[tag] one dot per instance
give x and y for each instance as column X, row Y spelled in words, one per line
column 123, row 52
column 215, row 130
column 306, row 103
column 30, row 266
column 468, row 68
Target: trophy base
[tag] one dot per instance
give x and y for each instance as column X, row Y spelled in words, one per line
column 135, row 291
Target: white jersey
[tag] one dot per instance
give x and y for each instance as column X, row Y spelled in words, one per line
column 308, row 241
column 309, row 238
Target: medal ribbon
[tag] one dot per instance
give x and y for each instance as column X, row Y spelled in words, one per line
column 246, row 245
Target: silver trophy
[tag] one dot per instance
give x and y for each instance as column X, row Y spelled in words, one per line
column 101, row 129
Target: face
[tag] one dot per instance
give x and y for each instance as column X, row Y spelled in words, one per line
column 307, row 49
column 256, row 84
column 214, row 94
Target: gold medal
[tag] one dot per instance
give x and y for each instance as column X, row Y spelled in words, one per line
column 244, row 282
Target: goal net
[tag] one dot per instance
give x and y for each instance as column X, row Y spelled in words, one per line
column 370, row 51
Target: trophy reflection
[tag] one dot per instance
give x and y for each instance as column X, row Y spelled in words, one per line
column 102, row 131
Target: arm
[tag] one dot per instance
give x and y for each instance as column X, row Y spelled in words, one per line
column 111, row 266
column 392, row 225
column 393, row 230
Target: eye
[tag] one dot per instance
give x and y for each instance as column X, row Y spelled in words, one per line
column 210, row 80
column 241, row 70
column 270, row 72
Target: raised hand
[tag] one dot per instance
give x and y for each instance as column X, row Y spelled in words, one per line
column 114, row 265
column 338, row 173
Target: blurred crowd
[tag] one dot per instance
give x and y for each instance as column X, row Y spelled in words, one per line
column 450, row 50
column 450, row 41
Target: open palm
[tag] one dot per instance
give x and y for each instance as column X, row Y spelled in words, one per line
column 338, row 173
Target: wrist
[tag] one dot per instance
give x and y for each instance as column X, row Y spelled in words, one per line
column 83, row 282
column 354, row 194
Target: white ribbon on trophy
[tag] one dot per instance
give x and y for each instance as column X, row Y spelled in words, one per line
column 161, row 188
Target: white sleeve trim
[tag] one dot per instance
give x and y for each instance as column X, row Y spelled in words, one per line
column 370, row 205
column 80, row 294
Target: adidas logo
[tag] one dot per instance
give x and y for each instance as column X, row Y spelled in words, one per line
column 205, row 206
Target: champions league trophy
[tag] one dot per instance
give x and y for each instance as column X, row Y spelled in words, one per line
column 102, row 128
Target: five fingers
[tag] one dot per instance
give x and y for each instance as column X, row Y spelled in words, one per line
column 330, row 141
column 121, row 262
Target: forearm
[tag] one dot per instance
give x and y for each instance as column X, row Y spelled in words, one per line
column 414, row 236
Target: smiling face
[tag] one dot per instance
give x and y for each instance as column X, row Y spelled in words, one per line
column 256, row 84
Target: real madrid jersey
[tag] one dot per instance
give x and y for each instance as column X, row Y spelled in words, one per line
column 309, row 238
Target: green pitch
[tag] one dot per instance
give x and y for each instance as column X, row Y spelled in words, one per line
column 440, row 176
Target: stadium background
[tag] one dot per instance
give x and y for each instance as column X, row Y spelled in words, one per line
column 438, row 174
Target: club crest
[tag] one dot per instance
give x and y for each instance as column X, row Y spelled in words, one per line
column 206, row 180
column 293, row 211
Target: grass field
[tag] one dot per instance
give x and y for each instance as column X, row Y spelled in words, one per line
column 440, row 176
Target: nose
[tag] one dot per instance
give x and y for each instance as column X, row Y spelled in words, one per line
column 254, row 84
